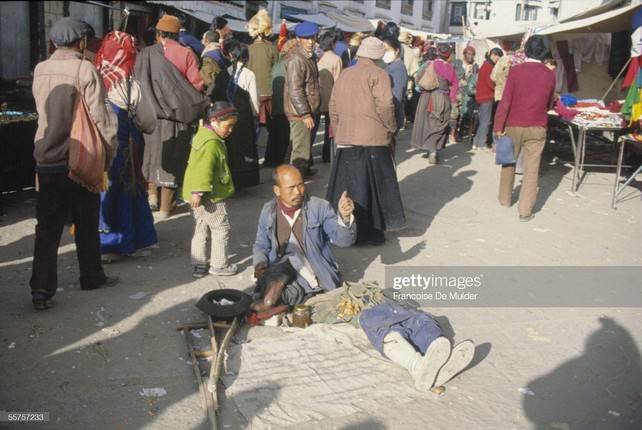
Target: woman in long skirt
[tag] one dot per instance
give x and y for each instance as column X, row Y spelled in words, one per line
column 126, row 222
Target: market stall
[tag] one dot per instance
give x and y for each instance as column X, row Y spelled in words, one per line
column 607, row 125
column 18, row 124
column 592, row 54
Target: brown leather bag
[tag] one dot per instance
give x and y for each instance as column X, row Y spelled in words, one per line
column 428, row 80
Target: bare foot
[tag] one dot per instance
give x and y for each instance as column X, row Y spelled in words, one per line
column 272, row 292
column 259, row 306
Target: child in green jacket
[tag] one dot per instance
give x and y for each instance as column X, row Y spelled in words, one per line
column 206, row 186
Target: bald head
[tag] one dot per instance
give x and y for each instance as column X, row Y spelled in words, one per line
column 283, row 169
column 288, row 185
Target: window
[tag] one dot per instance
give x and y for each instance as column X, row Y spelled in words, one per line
column 407, row 7
column 457, row 11
column 479, row 11
column 530, row 13
column 383, row 4
column 426, row 12
column 554, row 12
column 518, row 12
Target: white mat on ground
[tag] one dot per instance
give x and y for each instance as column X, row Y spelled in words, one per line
column 324, row 371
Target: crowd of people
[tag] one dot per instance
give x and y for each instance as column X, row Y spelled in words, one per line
column 180, row 118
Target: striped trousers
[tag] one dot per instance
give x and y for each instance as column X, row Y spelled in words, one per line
column 211, row 223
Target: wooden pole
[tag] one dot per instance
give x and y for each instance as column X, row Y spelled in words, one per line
column 615, row 80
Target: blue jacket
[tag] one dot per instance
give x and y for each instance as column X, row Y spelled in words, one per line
column 190, row 41
column 320, row 227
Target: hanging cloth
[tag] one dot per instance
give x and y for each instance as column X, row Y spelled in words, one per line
column 569, row 65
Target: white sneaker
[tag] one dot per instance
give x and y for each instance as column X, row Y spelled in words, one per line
column 430, row 364
column 460, row 357
column 224, row 271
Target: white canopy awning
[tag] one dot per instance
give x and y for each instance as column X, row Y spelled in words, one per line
column 607, row 22
column 351, row 24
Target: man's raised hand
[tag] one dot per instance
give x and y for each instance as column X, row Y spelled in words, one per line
column 346, row 206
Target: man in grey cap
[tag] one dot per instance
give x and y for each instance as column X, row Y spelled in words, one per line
column 55, row 83
column 302, row 95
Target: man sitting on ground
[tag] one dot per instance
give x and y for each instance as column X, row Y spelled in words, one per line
column 292, row 256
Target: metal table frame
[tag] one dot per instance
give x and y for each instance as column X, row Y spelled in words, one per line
column 579, row 148
column 617, row 189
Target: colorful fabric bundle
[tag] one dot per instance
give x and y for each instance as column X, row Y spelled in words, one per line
column 116, row 58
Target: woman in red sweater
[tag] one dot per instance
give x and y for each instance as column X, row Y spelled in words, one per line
column 522, row 115
column 485, row 96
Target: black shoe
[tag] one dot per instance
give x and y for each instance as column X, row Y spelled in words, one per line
column 41, row 300
column 110, row 281
column 310, row 173
column 200, row 270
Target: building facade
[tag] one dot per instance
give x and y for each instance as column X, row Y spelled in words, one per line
column 486, row 18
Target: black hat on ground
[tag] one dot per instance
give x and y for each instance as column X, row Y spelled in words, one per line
column 210, row 303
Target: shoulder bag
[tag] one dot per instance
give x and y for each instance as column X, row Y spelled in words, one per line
column 87, row 156
column 428, row 80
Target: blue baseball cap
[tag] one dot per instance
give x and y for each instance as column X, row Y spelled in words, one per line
column 306, row 29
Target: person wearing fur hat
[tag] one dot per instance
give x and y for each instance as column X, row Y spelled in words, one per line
column 263, row 56
column 464, row 69
column 362, row 112
column 430, row 130
column 56, row 82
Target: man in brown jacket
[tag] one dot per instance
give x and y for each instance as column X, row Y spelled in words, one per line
column 55, row 83
column 363, row 117
column 302, row 95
